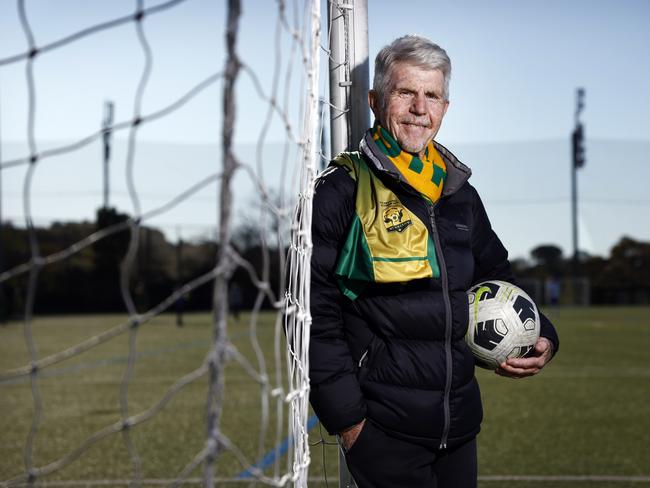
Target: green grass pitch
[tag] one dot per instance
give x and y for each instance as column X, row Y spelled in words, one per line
column 587, row 414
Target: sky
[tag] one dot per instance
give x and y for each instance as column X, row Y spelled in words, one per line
column 516, row 68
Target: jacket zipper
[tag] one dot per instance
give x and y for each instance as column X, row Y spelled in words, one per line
column 363, row 357
column 445, row 295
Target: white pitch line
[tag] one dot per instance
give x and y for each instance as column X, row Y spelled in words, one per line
column 570, row 478
column 485, row 478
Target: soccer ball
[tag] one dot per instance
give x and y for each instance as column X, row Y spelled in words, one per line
column 503, row 323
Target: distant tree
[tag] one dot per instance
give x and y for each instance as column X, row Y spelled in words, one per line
column 62, row 286
column 629, row 264
column 109, row 253
column 246, row 235
column 548, row 256
column 15, row 245
column 594, row 269
column 65, row 285
column 154, row 272
column 519, row 266
column 193, row 260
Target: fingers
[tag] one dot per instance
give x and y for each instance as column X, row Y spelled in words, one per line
column 518, row 371
column 523, row 367
column 520, row 367
column 526, row 363
column 349, row 437
column 544, row 347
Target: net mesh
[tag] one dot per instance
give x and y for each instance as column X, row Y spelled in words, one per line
column 280, row 453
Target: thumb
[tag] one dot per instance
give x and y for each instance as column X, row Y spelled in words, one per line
column 543, row 345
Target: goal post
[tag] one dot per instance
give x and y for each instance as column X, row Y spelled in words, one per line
column 349, row 83
column 349, row 73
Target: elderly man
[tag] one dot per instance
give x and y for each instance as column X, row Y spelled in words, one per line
column 399, row 236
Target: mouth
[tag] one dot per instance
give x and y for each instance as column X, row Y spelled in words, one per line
column 417, row 124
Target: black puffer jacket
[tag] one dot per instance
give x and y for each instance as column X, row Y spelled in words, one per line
column 397, row 355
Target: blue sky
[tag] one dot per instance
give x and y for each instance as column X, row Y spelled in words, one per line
column 516, row 65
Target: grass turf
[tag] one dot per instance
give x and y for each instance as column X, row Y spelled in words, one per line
column 586, row 414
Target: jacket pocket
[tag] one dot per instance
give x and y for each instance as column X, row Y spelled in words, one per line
column 369, row 358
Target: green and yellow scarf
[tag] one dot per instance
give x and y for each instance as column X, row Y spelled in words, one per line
column 426, row 175
column 386, row 243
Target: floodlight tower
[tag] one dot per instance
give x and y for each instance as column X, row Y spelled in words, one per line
column 107, row 132
column 578, row 161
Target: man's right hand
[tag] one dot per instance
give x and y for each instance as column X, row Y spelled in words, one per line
column 349, row 436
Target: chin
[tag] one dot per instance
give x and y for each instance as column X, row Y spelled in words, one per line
column 413, row 144
column 413, row 148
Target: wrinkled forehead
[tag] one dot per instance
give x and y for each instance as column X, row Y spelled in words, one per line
column 404, row 74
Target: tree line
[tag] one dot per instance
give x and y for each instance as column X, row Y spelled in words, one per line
column 89, row 281
column 622, row 278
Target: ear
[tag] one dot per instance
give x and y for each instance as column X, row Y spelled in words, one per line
column 373, row 101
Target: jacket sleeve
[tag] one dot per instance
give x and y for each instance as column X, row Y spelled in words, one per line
column 335, row 392
column 491, row 261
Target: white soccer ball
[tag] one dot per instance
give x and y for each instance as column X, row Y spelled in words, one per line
column 503, row 323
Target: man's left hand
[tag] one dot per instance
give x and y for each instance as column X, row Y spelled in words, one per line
column 528, row 366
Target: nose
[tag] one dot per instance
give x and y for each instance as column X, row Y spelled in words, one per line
column 419, row 104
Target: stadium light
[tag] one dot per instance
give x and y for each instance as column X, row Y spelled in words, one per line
column 578, row 161
column 107, row 132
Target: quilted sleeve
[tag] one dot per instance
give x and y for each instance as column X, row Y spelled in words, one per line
column 335, row 392
column 491, row 261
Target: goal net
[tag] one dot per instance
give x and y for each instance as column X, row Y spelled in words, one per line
column 110, row 373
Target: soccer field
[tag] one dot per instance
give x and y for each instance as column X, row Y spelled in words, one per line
column 585, row 421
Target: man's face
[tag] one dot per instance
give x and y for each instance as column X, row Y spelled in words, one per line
column 414, row 106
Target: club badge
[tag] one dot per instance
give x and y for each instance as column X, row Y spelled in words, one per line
column 394, row 219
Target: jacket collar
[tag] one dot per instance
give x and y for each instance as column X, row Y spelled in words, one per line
column 457, row 172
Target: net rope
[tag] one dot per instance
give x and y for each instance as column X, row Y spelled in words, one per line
column 302, row 27
column 337, row 11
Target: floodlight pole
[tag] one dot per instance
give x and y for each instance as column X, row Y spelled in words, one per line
column 349, row 112
column 107, row 132
column 578, row 161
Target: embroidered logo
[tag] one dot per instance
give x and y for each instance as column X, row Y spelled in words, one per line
column 393, row 216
